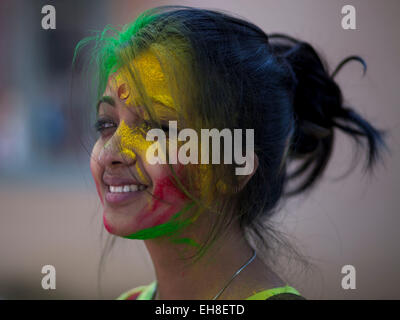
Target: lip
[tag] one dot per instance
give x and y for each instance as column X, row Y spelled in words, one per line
column 123, row 197
column 119, row 181
column 120, row 198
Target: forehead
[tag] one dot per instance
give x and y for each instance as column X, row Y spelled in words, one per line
column 149, row 74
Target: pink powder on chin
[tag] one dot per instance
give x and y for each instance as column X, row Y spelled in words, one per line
column 106, row 225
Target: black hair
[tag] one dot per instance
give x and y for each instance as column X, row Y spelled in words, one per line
column 241, row 77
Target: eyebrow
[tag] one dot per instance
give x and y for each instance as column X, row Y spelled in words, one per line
column 107, row 99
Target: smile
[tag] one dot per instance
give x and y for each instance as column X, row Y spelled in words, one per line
column 126, row 188
column 120, row 191
column 123, row 194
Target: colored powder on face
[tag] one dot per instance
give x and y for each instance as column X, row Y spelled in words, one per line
column 153, row 77
column 106, row 225
column 165, row 229
column 132, row 139
column 153, row 80
column 187, row 241
column 129, row 153
column 123, row 91
column 167, row 199
column 119, row 83
column 165, row 190
column 156, row 86
column 141, row 175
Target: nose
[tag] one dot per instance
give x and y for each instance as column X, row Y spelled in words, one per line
column 113, row 155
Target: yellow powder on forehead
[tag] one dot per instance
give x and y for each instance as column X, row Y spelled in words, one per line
column 153, row 79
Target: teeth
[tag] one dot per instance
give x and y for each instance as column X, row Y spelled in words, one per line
column 126, row 188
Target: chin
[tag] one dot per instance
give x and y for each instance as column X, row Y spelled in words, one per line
column 122, row 224
column 125, row 218
column 118, row 224
column 127, row 214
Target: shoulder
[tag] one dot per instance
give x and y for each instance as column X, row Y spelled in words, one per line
column 286, row 296
column 139, row 293
column 279, row 293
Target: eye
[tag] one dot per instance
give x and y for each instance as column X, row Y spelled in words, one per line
column 103, row 125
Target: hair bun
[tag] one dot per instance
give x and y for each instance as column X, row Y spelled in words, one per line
column 318, row 108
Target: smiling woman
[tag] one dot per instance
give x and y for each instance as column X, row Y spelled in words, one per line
column 203, row 69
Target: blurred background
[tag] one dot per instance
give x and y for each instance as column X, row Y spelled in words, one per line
column 50, row 213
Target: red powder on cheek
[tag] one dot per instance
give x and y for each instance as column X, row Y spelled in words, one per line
column 167, row 200
column 165, row 190
column 164, row 217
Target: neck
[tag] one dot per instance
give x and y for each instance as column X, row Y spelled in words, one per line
column 179, row 278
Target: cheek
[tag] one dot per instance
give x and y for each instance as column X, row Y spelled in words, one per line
column 166, row 191
column 167, row 199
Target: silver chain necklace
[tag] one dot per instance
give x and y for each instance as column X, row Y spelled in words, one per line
column 230, row 280
column 235, row 275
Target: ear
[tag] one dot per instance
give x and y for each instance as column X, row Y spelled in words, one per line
column 242, row 180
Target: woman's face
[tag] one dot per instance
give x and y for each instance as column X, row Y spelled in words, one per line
column 135, row 195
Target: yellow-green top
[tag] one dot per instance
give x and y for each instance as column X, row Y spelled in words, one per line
column 147, row 292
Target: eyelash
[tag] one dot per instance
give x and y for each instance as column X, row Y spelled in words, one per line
column 104, row 124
